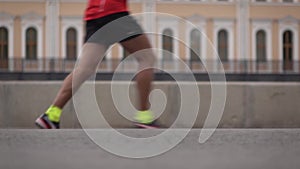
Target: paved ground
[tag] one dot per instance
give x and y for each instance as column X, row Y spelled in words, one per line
column 227, row 149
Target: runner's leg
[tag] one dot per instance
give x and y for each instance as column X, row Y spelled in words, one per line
column 146, row 61
column 90, row 56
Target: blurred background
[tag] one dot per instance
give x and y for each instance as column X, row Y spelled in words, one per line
column 257, row 36
column 256, row 40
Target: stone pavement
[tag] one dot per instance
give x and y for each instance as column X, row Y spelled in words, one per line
column 226, row 149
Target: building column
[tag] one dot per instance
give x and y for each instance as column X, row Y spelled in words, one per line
column 243, row 30
column 149, row 8
column 52, row 33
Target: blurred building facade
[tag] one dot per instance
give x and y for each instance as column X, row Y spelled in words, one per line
column 43, row 35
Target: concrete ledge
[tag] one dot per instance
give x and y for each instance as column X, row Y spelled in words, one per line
column 248, row 105
column 226, row 149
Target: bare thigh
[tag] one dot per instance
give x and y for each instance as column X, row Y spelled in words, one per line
column 138, row 43
column 91, row 55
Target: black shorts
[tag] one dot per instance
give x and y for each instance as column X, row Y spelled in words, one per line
column 113, row 28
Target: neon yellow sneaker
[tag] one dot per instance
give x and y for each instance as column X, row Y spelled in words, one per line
column 43, row 122
column 145, row 119
column 50, row 119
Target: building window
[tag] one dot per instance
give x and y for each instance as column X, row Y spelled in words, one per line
column 288, row 49
column 125, row 54
column 3, row 43
column 223, row 45
column 195, row 51
column 261, row 51
column 31, row 43
column 3, row 48
column 71, row 43
column 167, row 42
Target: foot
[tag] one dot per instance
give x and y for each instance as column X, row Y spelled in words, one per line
column 43, row 122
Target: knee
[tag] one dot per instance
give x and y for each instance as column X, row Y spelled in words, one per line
column 84, row 73
column 147, row 59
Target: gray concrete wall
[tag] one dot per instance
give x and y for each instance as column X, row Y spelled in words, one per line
column 248, row 105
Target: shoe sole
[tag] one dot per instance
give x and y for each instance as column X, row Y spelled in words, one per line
column 41, row 124
column 145, row 126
